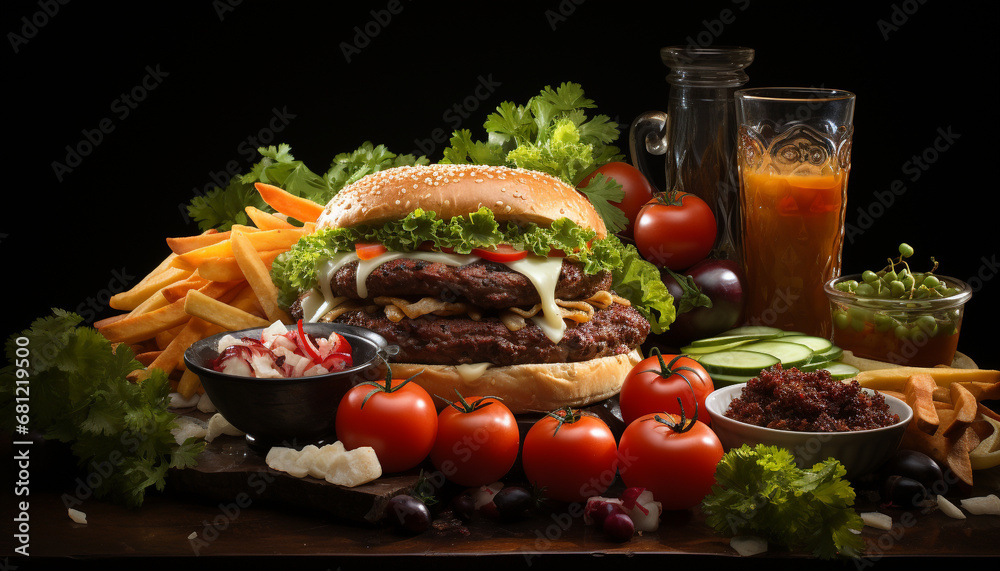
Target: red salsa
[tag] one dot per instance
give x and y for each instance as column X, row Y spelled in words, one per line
column 809, row 402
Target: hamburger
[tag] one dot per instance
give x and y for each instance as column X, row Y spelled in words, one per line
column 489, row 280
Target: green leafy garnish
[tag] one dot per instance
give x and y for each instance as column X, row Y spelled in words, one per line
column 552, row 134
column 760, row 491
column 220, row 208
column 79, row 395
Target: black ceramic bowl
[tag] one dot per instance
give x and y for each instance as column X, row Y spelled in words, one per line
column 288, row 412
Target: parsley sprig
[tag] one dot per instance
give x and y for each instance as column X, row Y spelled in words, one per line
column 760, row 491
column 79, row 395
column 551, row 133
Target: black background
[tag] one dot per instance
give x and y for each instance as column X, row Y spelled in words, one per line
column 918, row 69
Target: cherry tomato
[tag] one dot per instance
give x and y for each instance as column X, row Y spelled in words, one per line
column 638, row 190
column 501, row 253
column 477, row 441
column 672, row 456
column 656, row 382
column 675, row 230
column 570, row 455
column 369, row 251
column 396, row 418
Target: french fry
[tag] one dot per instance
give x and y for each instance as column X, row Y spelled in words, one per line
column 189, row 384
column 301, row 209
column 227, row 269
column 147, row 357
column 919, row 392
column 258, row 277
column 163, row 338
column 178, row 290
column 185, row 244
column 151, row 303
column 132, row 298
column 266, row 220
column 965, row 408
column 222, row 314
column 172, row 355
column 247, row 300
column 135, row 328
column 280, row 239
column 894, row 379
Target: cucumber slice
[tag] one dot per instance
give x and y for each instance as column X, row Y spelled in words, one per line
column 730, row 339
column 790, row 354
column 696, row 350
column 815, row 362
column 841, row 371
column 754, row 331
column 720, row 380
column 817, row 344
column 832, row 354
column 737, row 362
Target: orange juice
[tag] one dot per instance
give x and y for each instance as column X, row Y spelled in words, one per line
column 793, row 231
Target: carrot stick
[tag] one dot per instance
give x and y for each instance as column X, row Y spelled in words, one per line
column 301, row 209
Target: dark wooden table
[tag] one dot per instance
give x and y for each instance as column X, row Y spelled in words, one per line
column 260, row 530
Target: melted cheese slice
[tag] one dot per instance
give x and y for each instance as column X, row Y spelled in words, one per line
column 542, row 272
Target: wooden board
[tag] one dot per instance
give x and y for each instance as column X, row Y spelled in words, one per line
column 231, row 471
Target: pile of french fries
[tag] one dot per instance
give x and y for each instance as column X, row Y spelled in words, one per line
column 209, row 283
column 950, row 421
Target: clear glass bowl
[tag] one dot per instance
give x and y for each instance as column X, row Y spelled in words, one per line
column 915, row 332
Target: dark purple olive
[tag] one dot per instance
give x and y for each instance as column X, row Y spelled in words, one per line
column 903, row 492
column 464, row 506
column 619, row 527
column 721, row 282
column 918, row 466
column 408, row 514
column 512, row 502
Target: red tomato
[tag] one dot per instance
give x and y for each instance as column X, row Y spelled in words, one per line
column 572, row 456
column 671, row 456
column 501, row 253
column 398, row 420
column 675, row 230
column 369, row 251
column 655, row 384
column 638, row 190
column 477, row 441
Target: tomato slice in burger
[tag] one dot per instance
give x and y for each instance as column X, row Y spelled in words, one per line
column 501, row 253
column 367, row 251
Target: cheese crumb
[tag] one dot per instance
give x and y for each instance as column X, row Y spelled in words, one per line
column 332, row 463
column 77, row 516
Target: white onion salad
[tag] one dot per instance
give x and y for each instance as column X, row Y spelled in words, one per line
column 282, row 353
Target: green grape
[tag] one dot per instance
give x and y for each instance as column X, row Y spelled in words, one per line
column 905, row 250
column 890, row 276
column 884, row 322
column 869, row 276
column 896, row 288
column 928, row 324
column 932, row 281
column 841, row 319
column 902, row 332
column 864, row 290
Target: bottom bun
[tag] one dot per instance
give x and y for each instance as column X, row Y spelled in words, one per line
column 527, row 388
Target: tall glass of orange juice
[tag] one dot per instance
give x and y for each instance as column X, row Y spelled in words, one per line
column 794, row 156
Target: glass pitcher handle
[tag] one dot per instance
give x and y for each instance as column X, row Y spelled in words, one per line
column 648, row 136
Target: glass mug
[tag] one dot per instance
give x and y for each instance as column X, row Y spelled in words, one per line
column 794, row 157
column 697, row 136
